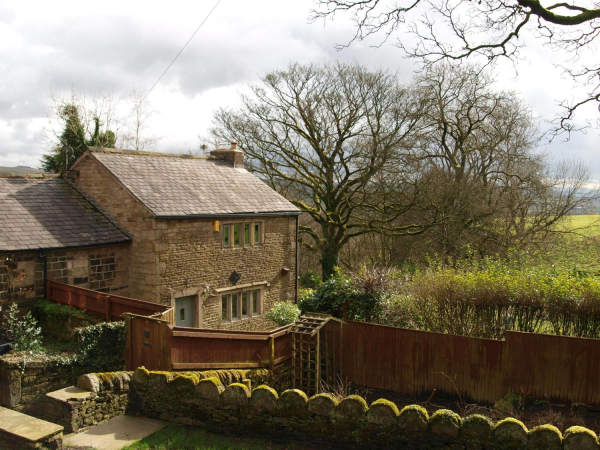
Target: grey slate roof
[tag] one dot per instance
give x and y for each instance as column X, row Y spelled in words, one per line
column 180, row 186
column 47, row 213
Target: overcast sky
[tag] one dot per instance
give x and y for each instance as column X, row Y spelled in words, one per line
column 47, row 47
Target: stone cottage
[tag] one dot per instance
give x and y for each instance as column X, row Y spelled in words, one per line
column 48, row 230
column 206, row 236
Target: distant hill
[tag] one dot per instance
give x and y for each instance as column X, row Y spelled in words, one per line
column 20, row 170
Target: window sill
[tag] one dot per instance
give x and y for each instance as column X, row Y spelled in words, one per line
column 243, row 319
column 238, row 287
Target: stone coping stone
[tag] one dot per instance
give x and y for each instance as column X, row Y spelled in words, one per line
column 70, row 393
column 26, row 427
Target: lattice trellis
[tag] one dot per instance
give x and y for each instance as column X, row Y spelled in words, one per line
column 316, row 340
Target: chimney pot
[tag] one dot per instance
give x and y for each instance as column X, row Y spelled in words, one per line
column 233, row 145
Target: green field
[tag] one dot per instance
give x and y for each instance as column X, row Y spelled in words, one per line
column 579, row 247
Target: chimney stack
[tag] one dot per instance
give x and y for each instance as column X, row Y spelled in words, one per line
column 232, row 154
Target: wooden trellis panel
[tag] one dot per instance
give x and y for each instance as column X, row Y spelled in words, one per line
column 316, row 340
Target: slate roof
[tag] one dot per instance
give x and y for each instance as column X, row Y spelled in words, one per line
column 44, row 213
column 182, row 186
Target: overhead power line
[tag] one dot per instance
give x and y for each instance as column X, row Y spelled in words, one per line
column 176, row 56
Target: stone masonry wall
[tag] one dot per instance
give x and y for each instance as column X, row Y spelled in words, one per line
column 187, row 399
column 192, row 256
column 23, row 390
column 92, row 180
column 104, row 269
column 102, row 398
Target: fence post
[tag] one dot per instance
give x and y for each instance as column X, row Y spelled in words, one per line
column 166, row 338
column 108, row 308
column 128, row 343
column 272, row 352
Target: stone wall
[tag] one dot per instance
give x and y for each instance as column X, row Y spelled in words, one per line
column 104, row 269
column 235, row 409
column 96, row 399
column 24, row 389
column 101, row 188
column 193, row 261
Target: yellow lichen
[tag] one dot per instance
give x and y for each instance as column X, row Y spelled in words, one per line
column 384, row 402
column 415, row 408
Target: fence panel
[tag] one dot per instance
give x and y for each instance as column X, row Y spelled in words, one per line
column 195, row 349
column 555, row 367
column 543, row 366
column 417, row 362
column 110, row 307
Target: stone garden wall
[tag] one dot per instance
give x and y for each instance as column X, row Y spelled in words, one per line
column 23, row 389
column 236, row 409
column 96, row 399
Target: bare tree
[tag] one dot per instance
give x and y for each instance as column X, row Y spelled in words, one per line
column 331, row 139
column 484, row 176
column 137, row 134
column 453, row 30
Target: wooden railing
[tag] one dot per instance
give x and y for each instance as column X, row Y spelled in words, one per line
column 110, row 307
column 157, row 345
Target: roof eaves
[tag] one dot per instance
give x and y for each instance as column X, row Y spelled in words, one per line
column 126, row 240
column 213, row 215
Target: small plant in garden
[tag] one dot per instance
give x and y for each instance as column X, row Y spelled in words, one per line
column 358, row 298
column 284, row 313
column 22, row 332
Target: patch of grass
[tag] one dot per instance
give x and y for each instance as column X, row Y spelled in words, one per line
column 580, row 249
column 190, row 438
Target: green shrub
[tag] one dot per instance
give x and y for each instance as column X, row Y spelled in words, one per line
column 284, row 313
column 487, row 297
column 310, row 280
column 359, row 297
column 23, row 332
column 48, row 308
column 101, row 346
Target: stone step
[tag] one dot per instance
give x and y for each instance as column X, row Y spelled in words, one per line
column 19, row 428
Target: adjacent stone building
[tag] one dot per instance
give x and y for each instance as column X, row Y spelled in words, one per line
column 49, row 231
column 199, row 233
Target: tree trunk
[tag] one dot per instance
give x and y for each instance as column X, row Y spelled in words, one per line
column 329, row 260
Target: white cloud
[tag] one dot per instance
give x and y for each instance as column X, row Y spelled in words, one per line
column 113, row 46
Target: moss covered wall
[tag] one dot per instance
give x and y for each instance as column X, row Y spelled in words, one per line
column 187, row 399
column 107, row 396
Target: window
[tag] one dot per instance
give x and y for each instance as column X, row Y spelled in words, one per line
column 241, row 305
column 255, row 310
column 257, row 235
column 236, row 235
column 244, row 234
column 226, row 236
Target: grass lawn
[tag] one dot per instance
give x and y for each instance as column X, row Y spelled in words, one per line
column 189, row 438
column 581, row 249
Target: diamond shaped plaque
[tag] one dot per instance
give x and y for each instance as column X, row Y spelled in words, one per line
column 234, row 277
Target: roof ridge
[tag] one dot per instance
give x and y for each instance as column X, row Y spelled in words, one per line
column 31, row 176
column 119, row 151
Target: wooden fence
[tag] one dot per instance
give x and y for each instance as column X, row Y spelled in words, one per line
column 110, row 307
column 482, row 370
column 157, row 345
